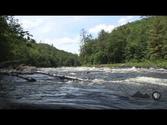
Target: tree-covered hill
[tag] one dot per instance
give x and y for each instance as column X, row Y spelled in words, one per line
column 17, row 44
column 144, row 39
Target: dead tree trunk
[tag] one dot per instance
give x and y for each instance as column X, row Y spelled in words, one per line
column 30, row 79
column 62, row 77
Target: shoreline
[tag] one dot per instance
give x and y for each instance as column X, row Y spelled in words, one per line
column 147, row 65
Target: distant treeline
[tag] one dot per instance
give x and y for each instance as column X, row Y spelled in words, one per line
column 17, row 44
column 144, row 39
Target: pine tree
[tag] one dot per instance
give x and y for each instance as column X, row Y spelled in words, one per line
column 155, row 42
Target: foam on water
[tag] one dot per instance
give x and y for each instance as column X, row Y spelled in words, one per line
column 72, row 73
column 98, row 81
column 137, row 80
column 104, row 69
column 70, row 69
column 119, row 70
column 148, row 80
column 125, row 70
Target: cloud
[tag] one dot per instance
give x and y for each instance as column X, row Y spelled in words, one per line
column 109, row 27
column 46, row 28
column 29, row 22
column 70, row 44
column 67, row 40
column 99, row 27
column 125, row 20
column 41, row 24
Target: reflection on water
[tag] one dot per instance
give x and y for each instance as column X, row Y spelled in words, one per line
column 106, row 88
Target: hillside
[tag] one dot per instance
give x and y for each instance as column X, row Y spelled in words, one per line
column 18, row 45
column 138, row 41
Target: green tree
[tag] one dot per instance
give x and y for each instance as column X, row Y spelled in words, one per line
column 156, row 39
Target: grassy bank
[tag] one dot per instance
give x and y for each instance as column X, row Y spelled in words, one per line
column 144, row 64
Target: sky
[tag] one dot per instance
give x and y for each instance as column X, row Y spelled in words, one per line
column 63, row 32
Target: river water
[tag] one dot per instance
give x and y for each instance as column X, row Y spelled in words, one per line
column 105, row 89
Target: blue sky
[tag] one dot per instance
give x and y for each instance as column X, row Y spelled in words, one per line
column 63, row 32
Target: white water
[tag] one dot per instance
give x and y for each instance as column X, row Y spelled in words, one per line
column 147, row 80
column 75, row 69
column 105, row 69
column 105, row 87
column 137, row 80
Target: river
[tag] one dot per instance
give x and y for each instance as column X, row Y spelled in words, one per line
column 105, row 89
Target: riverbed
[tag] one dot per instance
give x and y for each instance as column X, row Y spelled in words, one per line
column 105, row 88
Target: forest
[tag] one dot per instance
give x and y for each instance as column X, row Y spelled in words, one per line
column 17, row 45
column 138, row 41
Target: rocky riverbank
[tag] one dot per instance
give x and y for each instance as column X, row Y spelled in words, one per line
column 20, row 68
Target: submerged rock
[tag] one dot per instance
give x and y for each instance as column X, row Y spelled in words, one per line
column 138, row 94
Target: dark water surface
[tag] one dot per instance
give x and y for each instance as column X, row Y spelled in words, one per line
column 106, row 89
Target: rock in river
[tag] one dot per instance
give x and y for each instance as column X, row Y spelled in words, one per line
column 138, row 94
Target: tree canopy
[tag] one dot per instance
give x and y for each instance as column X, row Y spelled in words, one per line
column 17, row 44
column 144, row 39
